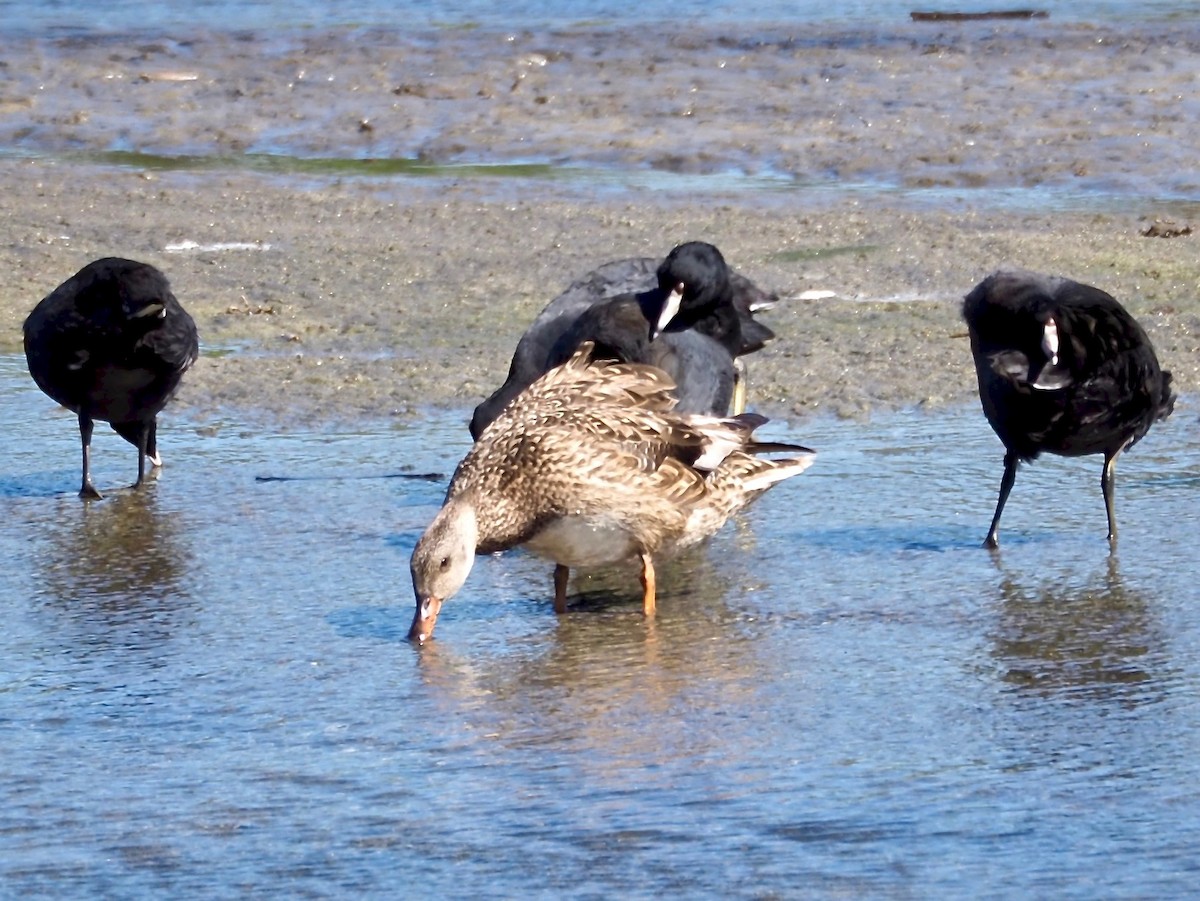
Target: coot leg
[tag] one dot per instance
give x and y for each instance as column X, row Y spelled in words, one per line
column 152, row 445
column 143, row 438
column 1006, row 484
column 1108, row 486
column 87, row 490
column 740, row 388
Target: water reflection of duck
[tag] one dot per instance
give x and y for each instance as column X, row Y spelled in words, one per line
column 618, row 690
column 688, row 315
column 1064, row 369
column 1098, row 639
column 590, row 466
column 112, row 343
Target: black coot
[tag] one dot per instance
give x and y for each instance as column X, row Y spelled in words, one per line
column 1062, row 368
column 627, row 310
column 111, row 343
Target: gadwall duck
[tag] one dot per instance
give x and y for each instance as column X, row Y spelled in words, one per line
column 688, row 314
column 112, row 343
column 590, row 466
column 1064, row 369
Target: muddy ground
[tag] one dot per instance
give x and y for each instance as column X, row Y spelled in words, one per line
column 341, row 302
column 327, row 297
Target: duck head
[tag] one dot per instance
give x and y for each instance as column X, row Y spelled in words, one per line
column 441, row 562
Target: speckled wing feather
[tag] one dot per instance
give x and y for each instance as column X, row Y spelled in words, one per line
column 595, row 438
column 626, row 404
column 586, row 435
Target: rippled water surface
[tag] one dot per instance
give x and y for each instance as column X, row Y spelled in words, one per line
column 205, row 689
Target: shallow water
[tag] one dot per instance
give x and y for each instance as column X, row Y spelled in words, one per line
column 67, row 15
column 206, row 689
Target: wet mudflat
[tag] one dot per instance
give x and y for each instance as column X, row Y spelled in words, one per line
column 363, row 217
column 206, row 688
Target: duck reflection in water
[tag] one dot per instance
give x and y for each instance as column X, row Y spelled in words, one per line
column 594, row 682
column 1096, row 640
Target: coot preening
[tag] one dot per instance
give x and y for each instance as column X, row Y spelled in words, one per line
column 111, row 343
column 1062, row 368
column 619, row 307
column 591, row 465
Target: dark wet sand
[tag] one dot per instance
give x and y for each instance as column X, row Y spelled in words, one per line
column 378, row 297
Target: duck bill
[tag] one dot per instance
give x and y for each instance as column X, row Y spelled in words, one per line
column 424, row 619
column 670, row 308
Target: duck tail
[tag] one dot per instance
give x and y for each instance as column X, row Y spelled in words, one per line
column 777, row 447
column 755, row 475
column 773, row 471
column 722, row 437
column 747, row 423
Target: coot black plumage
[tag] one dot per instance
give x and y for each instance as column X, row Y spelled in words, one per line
column 618, row 306
column 112, row 343
column 1062, row 368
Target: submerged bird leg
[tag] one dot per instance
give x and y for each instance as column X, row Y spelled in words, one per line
column 648, row 585
column 1006, row 484
column 86, row 488
column 143, row 438
column 561, row 575
column 1108, row 487
column 152, row 445
column 740, row 388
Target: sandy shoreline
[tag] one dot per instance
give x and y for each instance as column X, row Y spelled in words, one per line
column 358, row 302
